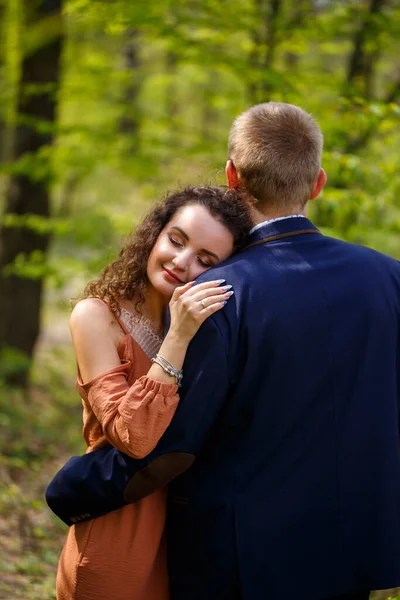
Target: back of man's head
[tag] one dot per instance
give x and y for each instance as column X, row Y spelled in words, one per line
column 276, row 150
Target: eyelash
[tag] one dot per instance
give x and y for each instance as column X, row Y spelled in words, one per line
column 179, row 245
column 204, row 264
column 175, row 242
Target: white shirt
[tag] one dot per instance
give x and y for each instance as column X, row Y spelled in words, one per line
column 274, row 220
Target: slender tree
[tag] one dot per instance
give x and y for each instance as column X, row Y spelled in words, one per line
column 272, row 30
column 365, row 51
column 301, row 10
column 265, row 44
column 362, row 68
column 10, row 41
column 28, row 193
column 2, row 68
column 255, row 59
column 129, row 123
column 171, row 66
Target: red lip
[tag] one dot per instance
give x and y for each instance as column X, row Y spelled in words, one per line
column 173, row 275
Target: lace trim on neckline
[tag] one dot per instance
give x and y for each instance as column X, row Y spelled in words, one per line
column 141, row 331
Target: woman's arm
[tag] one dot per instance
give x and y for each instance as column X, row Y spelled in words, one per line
column 95, row 334
column 134, row 418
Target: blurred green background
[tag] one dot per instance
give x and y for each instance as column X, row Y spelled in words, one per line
column 104, row 105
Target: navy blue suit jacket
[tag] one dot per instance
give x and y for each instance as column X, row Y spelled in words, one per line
column 290, row 406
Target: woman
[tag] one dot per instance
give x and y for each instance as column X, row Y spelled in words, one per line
column 128, row 376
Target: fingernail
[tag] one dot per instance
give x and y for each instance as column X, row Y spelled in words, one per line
column 223, row 304
column 227, row 287
column 219, row 281
column 230, row 294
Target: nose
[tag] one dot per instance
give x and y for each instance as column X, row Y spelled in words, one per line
column 181, row 260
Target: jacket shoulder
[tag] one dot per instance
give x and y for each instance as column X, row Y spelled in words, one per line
column 367, row 253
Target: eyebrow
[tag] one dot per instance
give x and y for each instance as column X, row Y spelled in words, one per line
column 185, row 235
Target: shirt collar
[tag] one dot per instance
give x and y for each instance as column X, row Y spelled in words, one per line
column 280, row 226
column 274, row 221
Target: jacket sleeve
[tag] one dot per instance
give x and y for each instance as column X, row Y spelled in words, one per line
column 106, row 479
column 204, row 391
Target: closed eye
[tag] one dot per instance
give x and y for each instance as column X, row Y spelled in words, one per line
column 204, row 263
column 175, row 242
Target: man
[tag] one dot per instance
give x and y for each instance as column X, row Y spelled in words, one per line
column 289, row 407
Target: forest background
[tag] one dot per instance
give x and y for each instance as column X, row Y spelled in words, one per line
column 104, row 105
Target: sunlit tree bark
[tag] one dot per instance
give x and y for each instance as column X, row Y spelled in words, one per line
column 28, row 192
column 365, row 51
column 265, row 43
column 130, row 119
column 2, row 67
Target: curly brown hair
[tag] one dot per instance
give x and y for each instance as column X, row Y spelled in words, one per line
column 126, row 277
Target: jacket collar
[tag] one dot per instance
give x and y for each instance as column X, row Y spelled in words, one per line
column 283, row 226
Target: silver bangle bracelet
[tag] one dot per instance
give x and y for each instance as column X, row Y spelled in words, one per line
column 168, row 368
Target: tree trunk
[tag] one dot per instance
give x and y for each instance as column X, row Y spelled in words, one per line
column 28, row 193
column 296, row 21
column 394, row 92
column 171, row 104
column 2, row 68
column 209, row 115
column 355, row 145
column 271, row 25
column 265, row 32
column 255, row 58
column 365, row 47
column 10, row 27
column 129, row 123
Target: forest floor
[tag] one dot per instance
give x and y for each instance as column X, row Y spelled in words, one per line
column 30, row 542
column 41, row 431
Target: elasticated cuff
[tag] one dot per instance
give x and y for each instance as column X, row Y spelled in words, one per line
column 158, row 387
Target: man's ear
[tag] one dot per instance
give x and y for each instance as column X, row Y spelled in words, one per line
column 319, row 184
column 232, row 176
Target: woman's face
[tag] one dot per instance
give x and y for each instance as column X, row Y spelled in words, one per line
column 192, row 242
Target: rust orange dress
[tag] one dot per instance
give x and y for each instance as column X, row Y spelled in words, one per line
column 121, row 555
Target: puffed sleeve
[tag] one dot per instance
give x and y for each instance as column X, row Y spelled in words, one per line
column 133, row 418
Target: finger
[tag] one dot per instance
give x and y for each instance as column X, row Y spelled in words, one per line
column 213, row 308
column 210, row 292
column 207, row 284
column 212, row 300
column 180, row 290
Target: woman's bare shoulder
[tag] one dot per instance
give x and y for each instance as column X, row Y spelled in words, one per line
column 95, row 334
column 91, row 314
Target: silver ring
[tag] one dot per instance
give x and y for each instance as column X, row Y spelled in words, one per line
column 202, row 303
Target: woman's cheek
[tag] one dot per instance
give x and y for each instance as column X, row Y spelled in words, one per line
column 196, row 272
column 164, row 250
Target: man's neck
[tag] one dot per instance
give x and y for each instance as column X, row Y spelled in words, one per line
column 259, row 217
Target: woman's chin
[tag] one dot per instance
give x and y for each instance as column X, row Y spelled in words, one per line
column 164, row 288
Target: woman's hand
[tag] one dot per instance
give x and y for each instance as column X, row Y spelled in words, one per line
column 191, row 304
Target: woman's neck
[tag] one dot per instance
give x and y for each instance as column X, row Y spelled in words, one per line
column 155, row 308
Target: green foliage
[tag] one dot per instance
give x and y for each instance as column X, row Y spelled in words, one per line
column 12, row 362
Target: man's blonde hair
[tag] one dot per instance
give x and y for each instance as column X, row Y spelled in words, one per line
column 276, row 149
